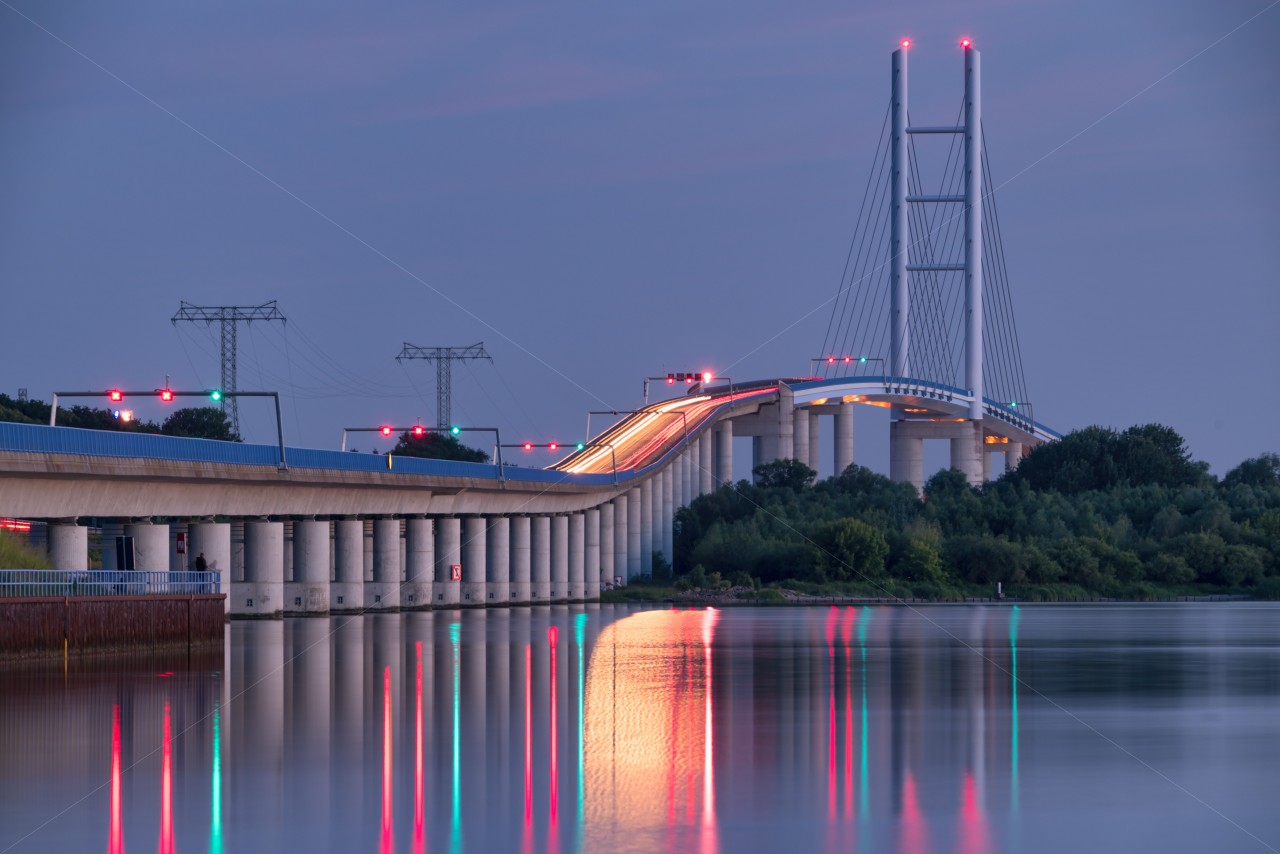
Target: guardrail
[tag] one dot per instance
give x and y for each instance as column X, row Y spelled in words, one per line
column 29, row 583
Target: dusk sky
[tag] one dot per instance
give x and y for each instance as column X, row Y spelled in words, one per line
column 602, row 192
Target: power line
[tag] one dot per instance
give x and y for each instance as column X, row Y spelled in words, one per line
column 444, row 357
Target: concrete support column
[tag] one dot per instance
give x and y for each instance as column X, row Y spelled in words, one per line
column 785, row 447
column 844, row 438
column 419, row 563
column 521, row 561
column 695, row 468
column 150, row 546
column 383, row 592
column 213, row 540
column 1012, row 455
column 605, row 547
column 986, row 463
column 540, row 552
column 237, row 550
column 68, row 546
column 346, row 592
column 906, row 455
column 800, row 434
column 647, row 490
column 288, row 552
column 263, row 587
column 578, row 556
column 498, row 554
column 724, row 453
column 706, row 462
column 634, row 506
column 668, row 511
column 178, row 562
column 475, row 562
column 967, row 451
column 815, row 441
column 448, row 589
column 559, row 558
column 686, row 480
column 308, row 593
column 111, row 530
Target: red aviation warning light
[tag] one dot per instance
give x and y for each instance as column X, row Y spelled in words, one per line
column 966, row 43
column 906, row 43
column 385, row 429
column 419, row 431
column 166, row 394
column 116, row 395
column 528, row 446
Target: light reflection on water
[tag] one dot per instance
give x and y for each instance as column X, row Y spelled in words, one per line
column 608, row 728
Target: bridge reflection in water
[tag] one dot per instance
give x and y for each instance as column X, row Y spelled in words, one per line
column 552, row 728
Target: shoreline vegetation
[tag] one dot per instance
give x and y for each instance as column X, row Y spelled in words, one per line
column 1100, row 515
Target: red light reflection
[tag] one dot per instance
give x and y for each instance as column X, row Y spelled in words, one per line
column 419, row 823
column 388, row 828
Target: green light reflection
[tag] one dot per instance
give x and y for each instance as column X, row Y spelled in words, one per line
column 1014, row 617
column 455, row 830
column 215, row 784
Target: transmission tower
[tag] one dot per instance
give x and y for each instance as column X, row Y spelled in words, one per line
column 444, row 357
column 228, row 318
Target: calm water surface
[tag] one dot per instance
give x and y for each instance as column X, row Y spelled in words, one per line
column 602, row 728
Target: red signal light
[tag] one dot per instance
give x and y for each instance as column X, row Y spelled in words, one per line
column 551, row 446
column 385, row 430
column 966, row 43
column 848, row 359
column 166, row 395
column 906, row 43
column 528, row 446
column 671, row 379
column 689, row 378
column 418, row 431
column 116, row 395
column 831, row 360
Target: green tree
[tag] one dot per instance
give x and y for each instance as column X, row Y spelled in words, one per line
column 200, row 422
column 1263, row 471
column 855, row 550
column 784, row 474
column 437, row 446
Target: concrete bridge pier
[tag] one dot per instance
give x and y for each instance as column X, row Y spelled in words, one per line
column 475, row 561
column 815, row 441
column 540, row 549
column 346, row 592
column 68, row 545
column 635, row 533
column 706, row 473
column 447, row 589
column 686, row 479
column 1012, row 455
column 967, row 451
column 800, row 434
column 724, row 453
column 261, row 594
column 150, row 545
column 906, row 455
column 621, row 536
column 559, row 558
column 521, row 561
column 498, row 555
column 695, row 468
column 419, row 563
column 604, row 549
column 383, row 592
column 668, row 511
column 213, row 540
column 577, row 557
column 645, row 564
column 844, row 438
column 308, row 593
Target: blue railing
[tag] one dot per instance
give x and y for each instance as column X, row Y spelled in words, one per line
column 27, row 583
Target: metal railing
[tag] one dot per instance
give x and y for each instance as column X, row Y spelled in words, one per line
column 25, row 583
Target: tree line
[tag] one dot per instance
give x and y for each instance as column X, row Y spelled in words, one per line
column 1100, row 513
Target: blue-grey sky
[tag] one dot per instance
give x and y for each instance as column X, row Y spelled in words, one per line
column 601, row 192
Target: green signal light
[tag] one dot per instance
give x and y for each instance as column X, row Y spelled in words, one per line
column 455, row 430
column 215, row 395
column 862, row 359
column 581, row 446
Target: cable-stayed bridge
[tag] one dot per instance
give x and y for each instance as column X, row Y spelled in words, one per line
column 922, row 325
